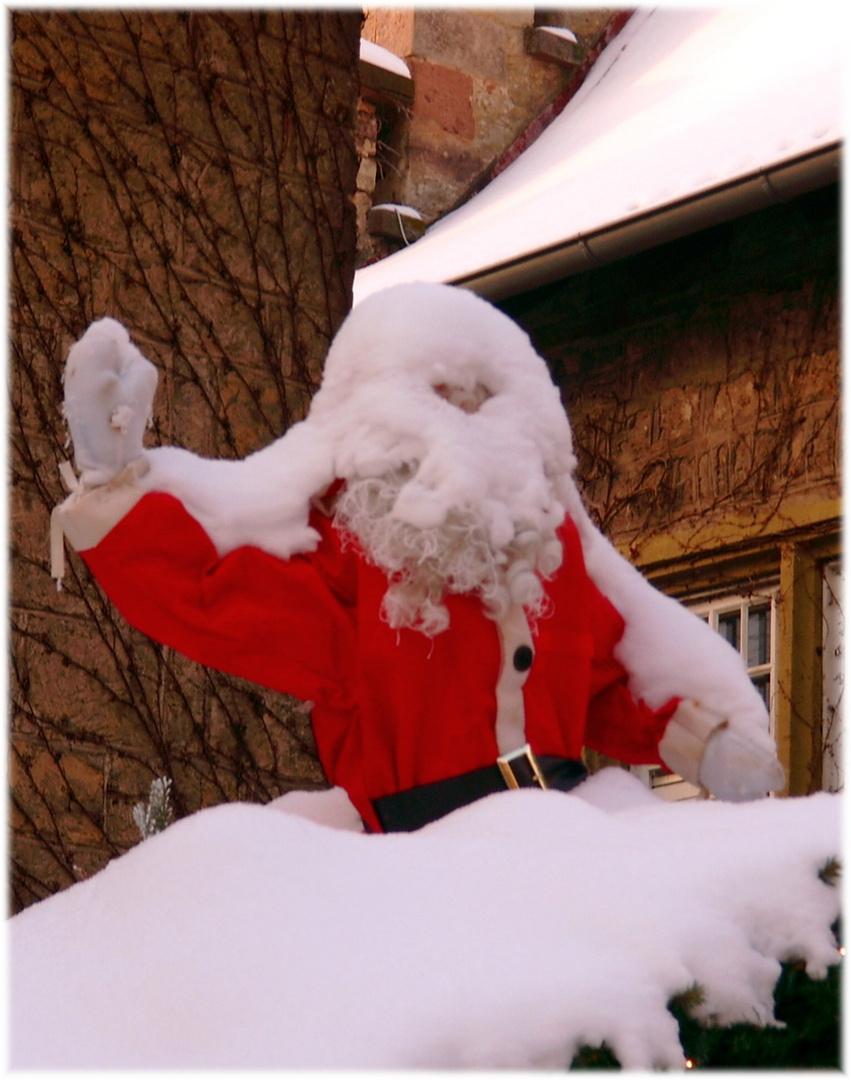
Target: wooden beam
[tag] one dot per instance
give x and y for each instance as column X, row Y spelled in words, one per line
column 798, row 706
column 383, row 85
column 703, row 536
column 546, row 43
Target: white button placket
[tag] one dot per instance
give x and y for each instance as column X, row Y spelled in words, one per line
column 515, row 639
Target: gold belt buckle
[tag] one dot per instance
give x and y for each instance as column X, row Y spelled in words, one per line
column 504, row 761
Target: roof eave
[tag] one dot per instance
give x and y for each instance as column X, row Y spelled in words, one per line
column 702, row 210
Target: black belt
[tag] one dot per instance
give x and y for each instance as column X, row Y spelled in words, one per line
column 408, row 810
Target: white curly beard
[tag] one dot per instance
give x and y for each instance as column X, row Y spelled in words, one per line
column 424, row 564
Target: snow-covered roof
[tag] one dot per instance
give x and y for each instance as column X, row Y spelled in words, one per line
column 682, row 103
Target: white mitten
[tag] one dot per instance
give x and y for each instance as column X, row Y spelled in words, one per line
column 735, row 769
column 704, row 749
column 109, row 393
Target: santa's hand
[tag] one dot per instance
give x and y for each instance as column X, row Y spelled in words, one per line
column 736, row 769
column 704, row 749
column 109, row 392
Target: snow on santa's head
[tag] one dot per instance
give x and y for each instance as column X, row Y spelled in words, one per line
column 434, row 380
column 454, row 445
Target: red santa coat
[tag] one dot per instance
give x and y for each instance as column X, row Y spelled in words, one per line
column 393, row 708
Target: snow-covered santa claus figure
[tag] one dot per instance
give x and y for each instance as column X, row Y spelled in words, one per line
column 415, row 559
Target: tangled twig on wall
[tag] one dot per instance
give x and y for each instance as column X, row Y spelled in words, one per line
column 735, row 436
column 188, row 174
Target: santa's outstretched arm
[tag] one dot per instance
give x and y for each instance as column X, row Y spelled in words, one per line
column 719, row 735
column 109, row 390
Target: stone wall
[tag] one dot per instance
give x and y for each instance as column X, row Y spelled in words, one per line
column 367, row 135
column 191, row 175
column 702, row 381
column 476, row 91
column 742, row 423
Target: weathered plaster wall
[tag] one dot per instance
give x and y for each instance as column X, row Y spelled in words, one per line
column 702, row 381
column 738, row 421
column 189, row 174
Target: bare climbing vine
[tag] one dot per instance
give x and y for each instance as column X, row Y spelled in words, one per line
column 188, row 173
column 741, row 436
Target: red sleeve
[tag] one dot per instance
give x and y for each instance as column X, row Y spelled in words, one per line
column 617, row 724
column 284, row 624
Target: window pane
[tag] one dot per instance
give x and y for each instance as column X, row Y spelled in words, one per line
column 759, row 636
column 761, row 682
column 728, row 628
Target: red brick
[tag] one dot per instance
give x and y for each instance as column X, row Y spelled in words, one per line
column 444, row 96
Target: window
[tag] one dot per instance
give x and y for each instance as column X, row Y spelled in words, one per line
column 833, row 676
column 749, row 624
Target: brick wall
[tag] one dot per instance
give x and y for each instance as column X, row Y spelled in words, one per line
column 189, row 174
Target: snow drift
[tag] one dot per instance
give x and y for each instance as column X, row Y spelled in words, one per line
column 505, row 935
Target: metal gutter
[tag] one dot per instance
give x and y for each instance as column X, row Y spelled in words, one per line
column 701, row 211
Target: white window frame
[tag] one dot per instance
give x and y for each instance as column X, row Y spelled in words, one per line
column 712, row 610
column 668, row 785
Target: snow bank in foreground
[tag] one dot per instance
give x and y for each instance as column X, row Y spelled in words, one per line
column 505, row 935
